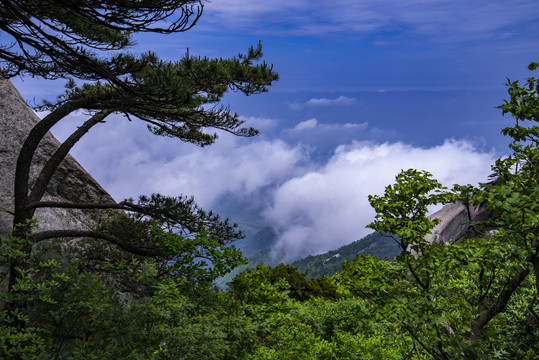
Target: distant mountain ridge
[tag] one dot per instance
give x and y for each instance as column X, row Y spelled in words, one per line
column 328, row 263
column 375, row 244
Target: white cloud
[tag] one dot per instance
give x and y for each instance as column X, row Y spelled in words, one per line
column 307, row 124
column 229, row 166
column 356, row 125
column 316, row 205
column 341, row 100
column 327, row 208
column 324, row 136
column 259, row 123
column 129, row 161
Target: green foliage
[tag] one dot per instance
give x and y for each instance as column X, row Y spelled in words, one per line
column 58, row 307
column 289, row 338
column 198, row 259
column 464, row 278
column 325, row 329
column 403, row 208
column 515, row 332
column 327, row 318
column 18, row 338
column 178, row 99
column 175, row 327
column 285, row 278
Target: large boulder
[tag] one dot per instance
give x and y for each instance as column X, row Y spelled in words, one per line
column 70, row 182
column 454, row 222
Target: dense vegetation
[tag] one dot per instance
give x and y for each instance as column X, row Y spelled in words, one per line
column 153, row 296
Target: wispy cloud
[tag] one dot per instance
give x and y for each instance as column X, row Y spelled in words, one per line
column 341, row 100
column 456, row 20
column 325, row 137
column 308, row 124
column 129, row 161
column 260, row 123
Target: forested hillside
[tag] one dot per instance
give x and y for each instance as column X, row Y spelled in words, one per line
column 375, row 244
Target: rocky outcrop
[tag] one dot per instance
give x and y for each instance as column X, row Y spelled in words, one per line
column 454, row 222
column 70, row 182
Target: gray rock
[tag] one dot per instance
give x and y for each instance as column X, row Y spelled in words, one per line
column 70, row 182
column 454, row 222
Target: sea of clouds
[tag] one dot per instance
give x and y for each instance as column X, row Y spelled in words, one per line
column 315, row 204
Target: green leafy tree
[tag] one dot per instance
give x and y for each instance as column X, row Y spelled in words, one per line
column 402, row 212
column 74, row 314
column 286, row 278
column 449, row 297
column 514, row 197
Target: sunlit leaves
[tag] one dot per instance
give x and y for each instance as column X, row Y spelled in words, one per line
column 403, row 208
column 462, row 286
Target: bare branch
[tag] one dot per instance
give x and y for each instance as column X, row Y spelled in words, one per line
column 40, row 186
column 71, row 205
column 498, row 305
column 28, row 149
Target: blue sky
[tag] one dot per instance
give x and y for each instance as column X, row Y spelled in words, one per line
column 366, row 88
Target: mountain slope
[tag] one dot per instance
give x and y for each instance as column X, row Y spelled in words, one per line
column 331, row 262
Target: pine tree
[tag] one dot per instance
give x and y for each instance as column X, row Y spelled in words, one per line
column 88, row 40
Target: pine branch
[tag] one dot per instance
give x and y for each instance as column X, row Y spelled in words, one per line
column 74, row 233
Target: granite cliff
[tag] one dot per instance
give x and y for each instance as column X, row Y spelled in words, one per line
column 70, row 182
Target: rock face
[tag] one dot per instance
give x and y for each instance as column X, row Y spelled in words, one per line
column 454, row 222
column 70, row 182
